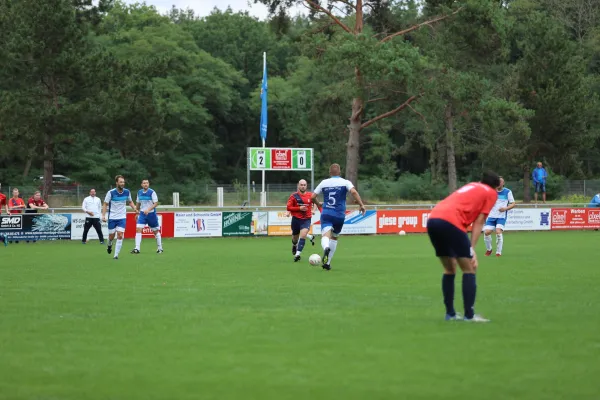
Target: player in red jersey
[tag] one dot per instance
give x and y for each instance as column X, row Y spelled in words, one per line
column 447, row 228
column 300, row 205
column 3, row 238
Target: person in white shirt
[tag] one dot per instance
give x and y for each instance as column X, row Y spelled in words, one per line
column 92, row 206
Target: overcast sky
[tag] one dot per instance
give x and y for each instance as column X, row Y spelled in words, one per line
column 204, row 7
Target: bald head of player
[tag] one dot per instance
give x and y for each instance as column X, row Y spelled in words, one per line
column 491, row 179
column 335, row 170
column 302, row 186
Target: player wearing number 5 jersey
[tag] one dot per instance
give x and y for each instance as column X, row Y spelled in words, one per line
column 447, row 228
column 334, row 190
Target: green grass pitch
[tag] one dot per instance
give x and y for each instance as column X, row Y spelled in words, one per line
column 237, row 319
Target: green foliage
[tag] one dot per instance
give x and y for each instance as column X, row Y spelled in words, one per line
column 408, row 187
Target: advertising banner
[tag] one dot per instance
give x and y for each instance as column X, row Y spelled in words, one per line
column 355, row 223
column 409, row 221
column 238, row 224
column 280, row 223
column 528, row 219
column 198, row 224
column 260, row 220
column 36, row 226
column 77, row 222
column 165, row 221
column 575, row 218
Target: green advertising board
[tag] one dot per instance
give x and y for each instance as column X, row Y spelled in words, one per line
column 237, row 224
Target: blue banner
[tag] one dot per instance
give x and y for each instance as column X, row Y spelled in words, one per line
column 263, row 111
column 36, row 226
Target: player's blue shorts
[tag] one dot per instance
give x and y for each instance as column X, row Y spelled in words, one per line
column 540, row 187
column 298, row 224
column 117, row 225
column 151, row 220
column 493, row 223
column 448, row 240
column 330, row 222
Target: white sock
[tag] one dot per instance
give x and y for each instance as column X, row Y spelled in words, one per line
column 324, row 242
column 118, row 248
column 158, row 240
column 332, row 247
column 138, row 240
column 110, row 242
column 310, row 237
column 488, row 242
column 499, row 243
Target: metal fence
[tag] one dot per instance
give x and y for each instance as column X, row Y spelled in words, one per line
column 235, row 195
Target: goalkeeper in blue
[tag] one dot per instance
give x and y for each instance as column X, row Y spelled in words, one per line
column 496, row 220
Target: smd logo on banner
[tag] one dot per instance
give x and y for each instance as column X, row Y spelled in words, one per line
column 11, row 222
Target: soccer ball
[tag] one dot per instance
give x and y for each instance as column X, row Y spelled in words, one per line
column 315, row 259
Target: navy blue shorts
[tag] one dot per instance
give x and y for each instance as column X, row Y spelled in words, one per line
column 299, row 224
column 332, row 223
column 448, row 240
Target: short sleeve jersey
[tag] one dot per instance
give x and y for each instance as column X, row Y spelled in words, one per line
column 117, row 203
column 293, row 205
column 2, row 202
column 334, row 190
column 463, row 206
column 147, row 199
column 505, row 197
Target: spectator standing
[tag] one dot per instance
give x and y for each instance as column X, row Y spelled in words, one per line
column 3, row 238
column 92, row 206
column 35, row 203
column 15, row 204
column 539, row 176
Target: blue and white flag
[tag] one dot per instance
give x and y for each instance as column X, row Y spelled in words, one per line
column 263, row 96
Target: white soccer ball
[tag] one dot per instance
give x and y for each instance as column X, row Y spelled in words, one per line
column 401, row 233
column 314, row 259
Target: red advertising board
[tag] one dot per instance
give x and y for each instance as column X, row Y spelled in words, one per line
column 281, row 158
column 166, row 221
column 409, row 221
column 575, row 218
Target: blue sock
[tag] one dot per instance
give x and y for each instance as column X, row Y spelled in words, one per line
column 301, row 244
column 469, row 289
column 448, row 291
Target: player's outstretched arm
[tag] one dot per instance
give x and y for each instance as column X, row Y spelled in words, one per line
column 356, row 196
column 104, row 206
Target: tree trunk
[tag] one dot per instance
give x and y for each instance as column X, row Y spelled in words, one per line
column 451, row 156
column 432, row 165
column 526, row 186
column 27, row 168
column 353, row 145
column 48, row 164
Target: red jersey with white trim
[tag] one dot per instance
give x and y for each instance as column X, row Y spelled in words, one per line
column 293, row 205
column 463, row 207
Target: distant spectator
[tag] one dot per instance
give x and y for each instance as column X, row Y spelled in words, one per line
column 15, row 205
column 539, row 176
column 2, row 200
column 36, row 203
column 595, row 202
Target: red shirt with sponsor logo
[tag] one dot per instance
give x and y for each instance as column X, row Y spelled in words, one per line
column 12, row 202
column 463, row 207
column 2, row 202
column 293, row 205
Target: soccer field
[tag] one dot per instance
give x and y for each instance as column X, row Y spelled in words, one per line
column 237, row 319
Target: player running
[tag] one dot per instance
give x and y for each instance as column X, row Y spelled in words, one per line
column 334, row 190
column 116, row 202
column 497, row 219
column 146, row 202
column 300, row 205
column 447, row 228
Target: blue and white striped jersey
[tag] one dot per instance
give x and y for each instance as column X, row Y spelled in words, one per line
column 117, row 203
column 147, row 199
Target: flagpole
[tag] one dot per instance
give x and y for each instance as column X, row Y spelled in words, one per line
column 263, row 197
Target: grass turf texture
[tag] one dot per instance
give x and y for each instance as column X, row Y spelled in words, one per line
column 237, row 319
